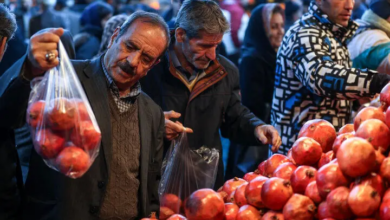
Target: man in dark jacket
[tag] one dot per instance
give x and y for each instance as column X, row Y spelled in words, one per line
column 202, row 88
column 122, row 181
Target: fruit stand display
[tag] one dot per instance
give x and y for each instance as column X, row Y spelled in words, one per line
column 327, row 175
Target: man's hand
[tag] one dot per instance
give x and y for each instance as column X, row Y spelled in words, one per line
column 267, row 134
column 40, row 45
column 173, row 129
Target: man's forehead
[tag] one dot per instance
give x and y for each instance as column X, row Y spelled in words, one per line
column 209, row 38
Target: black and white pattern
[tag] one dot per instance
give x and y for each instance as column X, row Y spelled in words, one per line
column 314, row 78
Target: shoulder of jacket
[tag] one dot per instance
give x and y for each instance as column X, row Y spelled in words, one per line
column 227, row 64
column 152, row 106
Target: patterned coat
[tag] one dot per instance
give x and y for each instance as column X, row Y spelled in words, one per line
column 314, row 78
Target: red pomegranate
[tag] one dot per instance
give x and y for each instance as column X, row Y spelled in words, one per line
column 248, row 212
column 61, row 114
column 82, row 110
column 321, row 131
column 272, row 215
column 35, row 113
column 152, row 217
column 385, row 169
column 48, row 144
column 232, row 184
column 376, row 132
column 386, row 196
column 374, row 180
column 366, row 114
column 231, row 211
column 273, row 162
column 299, row 207
column 387, row 117
column 253, row 192
column 171, row 201
column 356, row 157
column 339, row 140
column 348, row 128
column 205, row 204
column 276, row 192
column 239, row 195
column 223, row 195
column 306, row 151
column 384, row 210
column 385, row 95
column 73, row 161
column 251, row 175
column 330, row 177
column 285, row 170
column 289, row 155
column 379, row 158
column 337, row 201
column 301, row 177
column 230, row 198
column 165, row 213
column 86, row 136
column 323, row 211
column 261, row 168
column 178, row 217
column 325, row 158
column 364, row 200
column 312, row 192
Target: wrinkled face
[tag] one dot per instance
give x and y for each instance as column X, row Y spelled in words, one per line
column 338, row 11
column 130, row 56
column 276, row 30
column 198, row 51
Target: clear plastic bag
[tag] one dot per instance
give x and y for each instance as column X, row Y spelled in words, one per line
column 63, row 127
column 184, row 172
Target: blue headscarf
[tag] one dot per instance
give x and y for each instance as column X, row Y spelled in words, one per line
column 95, row 13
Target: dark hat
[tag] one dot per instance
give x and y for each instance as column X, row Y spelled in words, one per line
column 381, row 8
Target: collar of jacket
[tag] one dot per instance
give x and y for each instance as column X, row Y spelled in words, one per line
column 340, row 32
column 373, row 19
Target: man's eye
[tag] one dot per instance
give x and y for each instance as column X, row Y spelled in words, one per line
column 146, row 60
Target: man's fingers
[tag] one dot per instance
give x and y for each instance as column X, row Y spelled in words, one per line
column 57, row 31
column 187, row 130
column 172, row 114
column 263, row 138
column 171, row 125
column 275, row 137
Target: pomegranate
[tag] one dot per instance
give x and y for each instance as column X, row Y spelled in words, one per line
column 205, row 204
column 73, row 161
column 223, row 194
column 248, row 212
column 379, row 158
column 152, row 217
column 285, row 170
column 384, row 210
column 231, row 211
column 312, row 192
column 363, row 200
column 86, row 136
column 301, row 177
column 251, row 175
column 230, row 198
column 356, row 157
column 276, row 192
column 323, row 211
column 299, row 207
column 376, row 132
column 385, row 169
column 261, row 168
column 289, row 155
column 321, row 131
column 178, row 217
column 272, row 215
column 387, row 117
column 330, row 177
column 172, row 202
column 232, row 184
column 220, row 189
column 82, row 110
column 339, row 140
column 165, row 213
column 385, row 95
column 35, row 113
column 273, row 162
column 253, row 192
column 325, row 158
column 61, row 114
column 348, row 128
column 374, row 180
column 386, row 196
column 306, row 151
column 366, row 114
column 239, row 195
column 48, row 144
column 337, row 202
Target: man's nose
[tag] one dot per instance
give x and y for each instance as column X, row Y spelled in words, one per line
column 349, row 4
column 134, row 59
column 211, row 53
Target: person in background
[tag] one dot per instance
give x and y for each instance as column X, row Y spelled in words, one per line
column 293, row 12
column 358, row 9
column 71, row 18
column 248, row 5
column 112, row 24
column 370, row 47
column 314, row 75
column 93, row 20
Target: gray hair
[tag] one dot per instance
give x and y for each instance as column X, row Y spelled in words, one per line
column 196, row 15
column 146, row 17
column 7, row 23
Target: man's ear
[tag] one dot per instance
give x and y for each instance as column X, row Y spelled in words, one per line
column 3, row 46
column 180, row 35
column 114, row 37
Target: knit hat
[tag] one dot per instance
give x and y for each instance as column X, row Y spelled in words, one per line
column 381, row 8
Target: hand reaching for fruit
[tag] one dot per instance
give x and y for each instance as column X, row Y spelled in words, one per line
column 173, row 129
column 267, row 134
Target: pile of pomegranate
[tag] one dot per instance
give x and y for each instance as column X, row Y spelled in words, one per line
column 327, row 175
column 64, row 134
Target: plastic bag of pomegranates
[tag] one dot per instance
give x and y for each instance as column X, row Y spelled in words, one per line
column 63, row 127
column 185, row 171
